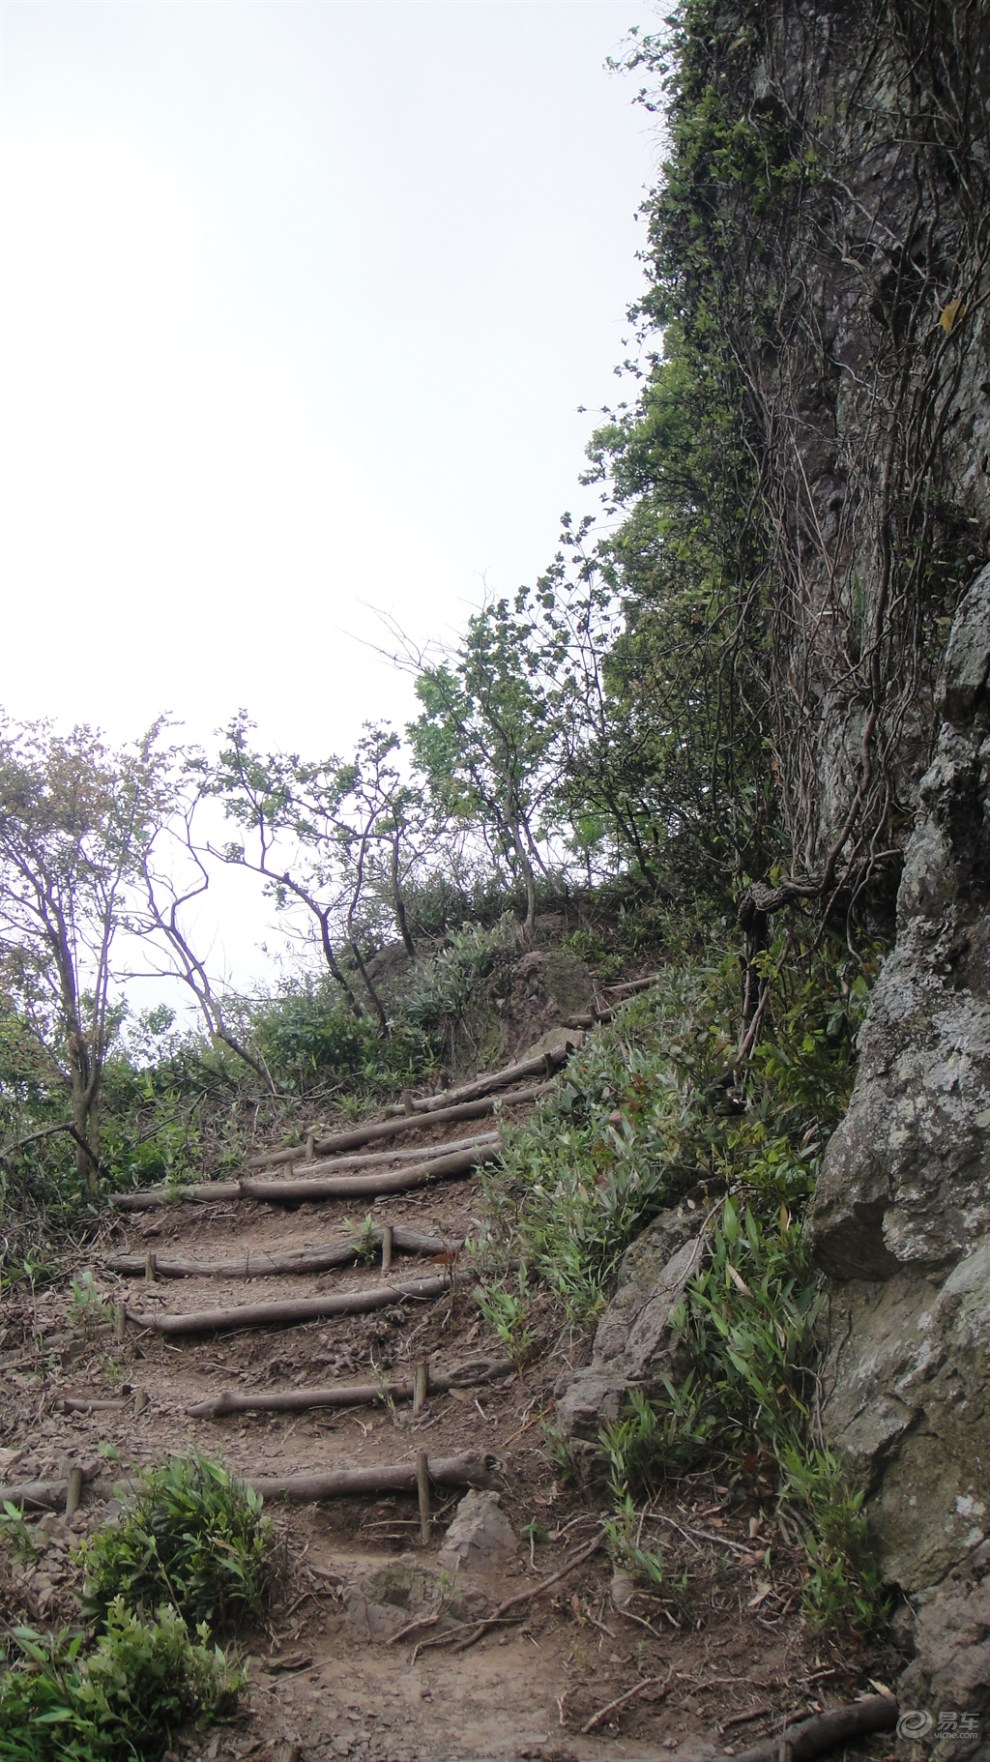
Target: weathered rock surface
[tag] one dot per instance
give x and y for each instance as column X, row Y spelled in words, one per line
column 480, row 1537
column 381, row 1602
column 902, row 1214
column 632, row 1341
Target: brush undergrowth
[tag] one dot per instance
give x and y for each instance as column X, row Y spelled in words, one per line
column 193, row 1536
column 652, row 1114
column 190, row 1557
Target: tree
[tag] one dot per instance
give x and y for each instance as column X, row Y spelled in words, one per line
column 74, row 820
column 320, row 833
column 488, row 738
column 168, row 887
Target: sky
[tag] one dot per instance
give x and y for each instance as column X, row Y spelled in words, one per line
column 299, row 300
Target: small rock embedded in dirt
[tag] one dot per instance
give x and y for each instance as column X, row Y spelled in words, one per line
column 381, row 1602
column 480, row 1535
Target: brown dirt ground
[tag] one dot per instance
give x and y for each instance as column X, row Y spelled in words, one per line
column 708, row 1667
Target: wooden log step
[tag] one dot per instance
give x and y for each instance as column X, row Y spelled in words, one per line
column 333, row 1165
column 292, row 1311
column 463, row 1376
column 295, row 1189
column 297, row 1260
column 541, row 1063
column 282, row 1189
column 378, row 1129
column 472, row 1468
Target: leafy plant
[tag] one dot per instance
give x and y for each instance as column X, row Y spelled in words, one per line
column 367, row 1238
column 193, row 1536
column 142, row 1681
column 17, row 1532
column 505, row 1312
column 89, row 1307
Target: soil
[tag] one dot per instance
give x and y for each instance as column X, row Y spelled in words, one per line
column 373, row 1651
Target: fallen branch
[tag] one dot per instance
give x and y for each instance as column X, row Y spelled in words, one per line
column 472, row 1468
column 300, row 1309
column 351, row 1394
column 812, row 1737
column 87, row 1404
column 638, row 1688
column 377, row 1129
column 298, row 1188
column 299, row 1260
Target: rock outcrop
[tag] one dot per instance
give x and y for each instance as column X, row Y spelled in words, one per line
column 632, row 1344
column 902, row 1218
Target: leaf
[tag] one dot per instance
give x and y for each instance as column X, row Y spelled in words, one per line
column 951, row 313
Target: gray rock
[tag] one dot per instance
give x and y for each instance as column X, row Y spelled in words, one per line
column 382, row 1601
column 632, row 1341
column 902, row 1217
column 480, row 1535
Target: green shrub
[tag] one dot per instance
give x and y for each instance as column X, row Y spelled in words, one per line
column 309, row 1040
column 126, row 1699
column 192, row 1536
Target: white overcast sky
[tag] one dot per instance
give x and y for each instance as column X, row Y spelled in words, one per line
column 299, row 300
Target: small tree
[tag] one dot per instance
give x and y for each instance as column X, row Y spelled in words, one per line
column 488, row 738
column 170, row 884
column 320, row 833
column 74, row 820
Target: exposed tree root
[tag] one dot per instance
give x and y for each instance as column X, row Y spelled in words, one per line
column 478, row 1628
column 812, row 1737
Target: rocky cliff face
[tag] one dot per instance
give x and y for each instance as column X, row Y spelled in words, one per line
column 868, row 375
column 827, row 221
column 847, row 225
column 902, row 1215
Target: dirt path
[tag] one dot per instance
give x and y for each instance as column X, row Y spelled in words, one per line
column 728, row 1649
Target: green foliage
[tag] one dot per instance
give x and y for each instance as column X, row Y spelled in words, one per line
column 505, row 1310
column 309, row 1041
column 74, row 821
column 843, row 1586
column 88, row 1307
column 367, row 1238
column 485, row 740
column 643, row 1119
column 127, row 1698
column 16, row 1531
column 193, row 1536
column 624, row 1534
column 627, row 1131
column 442, row 991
